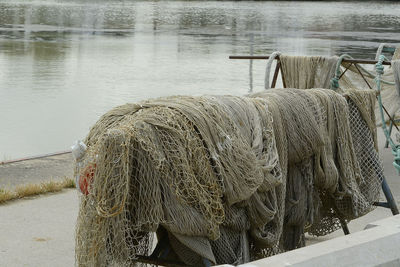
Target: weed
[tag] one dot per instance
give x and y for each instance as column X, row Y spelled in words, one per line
column 27, row 190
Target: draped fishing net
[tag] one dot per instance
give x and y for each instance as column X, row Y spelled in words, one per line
column 229, row 179
column 339, row 179
column 363, row 132
column 305, row 72
column 390, row 85
column 308, row 72
column 182, row 163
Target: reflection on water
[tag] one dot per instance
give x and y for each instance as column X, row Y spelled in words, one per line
column 64, row 63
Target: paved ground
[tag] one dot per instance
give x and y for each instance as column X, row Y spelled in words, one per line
column 392, row 177
column 40, row 231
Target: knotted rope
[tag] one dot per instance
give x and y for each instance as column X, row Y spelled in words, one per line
column 338, row 72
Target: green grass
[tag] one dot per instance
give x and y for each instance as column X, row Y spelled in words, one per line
column 27, row 190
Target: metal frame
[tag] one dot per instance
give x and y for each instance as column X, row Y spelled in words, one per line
column 390, row 201
column 160, row 253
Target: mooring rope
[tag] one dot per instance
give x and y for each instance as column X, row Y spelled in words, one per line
column 271, row 59
column 379, row 68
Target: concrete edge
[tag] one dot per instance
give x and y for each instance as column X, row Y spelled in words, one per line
column 379, row 245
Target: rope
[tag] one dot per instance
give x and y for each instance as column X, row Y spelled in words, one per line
column 379, row 68
column 379, row 51
column 338, row 72
column 395, row 148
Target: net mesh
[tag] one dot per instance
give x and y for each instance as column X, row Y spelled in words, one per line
column 305, row 72
column 229, row 179
column 390, row 87
column 174, row 163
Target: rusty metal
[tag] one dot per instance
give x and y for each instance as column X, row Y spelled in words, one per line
column 283, row 78
column 390, row 118
column 362, row 75
column 370, row 87
column 278, row 65
column 347, row 68
column 249, row 57
column 346, row 60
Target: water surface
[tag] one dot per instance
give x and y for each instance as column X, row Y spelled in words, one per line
column 64, row 63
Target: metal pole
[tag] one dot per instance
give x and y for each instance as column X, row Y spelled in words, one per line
column 389, row 197
column 35, row 157
column 251, row 62
column 347, row 60
column 345, row 228
column 278, row 65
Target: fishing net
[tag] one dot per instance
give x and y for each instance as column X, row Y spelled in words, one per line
column 224, row 178
column 189, row 165
column 363, row 134
column 304, row 72
column 341, row 179
column 390, row 86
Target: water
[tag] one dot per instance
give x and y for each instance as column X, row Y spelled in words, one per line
column 64, row 63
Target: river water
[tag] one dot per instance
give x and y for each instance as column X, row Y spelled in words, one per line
column 64, row 63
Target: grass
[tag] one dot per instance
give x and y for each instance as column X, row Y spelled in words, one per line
column 28, row 190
